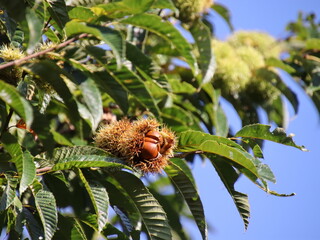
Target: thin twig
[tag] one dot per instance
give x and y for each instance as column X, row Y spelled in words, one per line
column 44, row 170
column 38, row 54
column 45, row 28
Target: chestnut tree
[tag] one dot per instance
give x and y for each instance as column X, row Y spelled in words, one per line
column 94, row 93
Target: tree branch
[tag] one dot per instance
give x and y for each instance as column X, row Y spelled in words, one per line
column 38, row 54
column 43, row 170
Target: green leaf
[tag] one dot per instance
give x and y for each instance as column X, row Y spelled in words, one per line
column 87, row 161
column 221, row 122
column 84, row 157
column 34, row 227
column 120, row 9
column 261, row 131
column 65, row 152
column 9, row 193
column 11, row 145
column 275, row 62
column 111, row 37
column 168, row 32
column 124, row 206
column 224, row 13
column 219, row 118
column 187, row 188
column 177, row 118
column 139, row 59
column 60, row 139
column 110, row 231
column 207, row 63
column 11, row 96
column 23, row 161
column 28, row 172
column 70, row 228
column 99, row 198
column 312, row 44
column 58, row 11
column 180, row 87
column 168, row 4
column 190, row 140
column 107, row 85
column 50, row 72
column 229, row 177
column 35, row 29
column 153, row 216
column 81, row 13
column 198, row 141
column 41, row 126
column 172, row 205
column 92, row 98
column 137, row 6
column 47, row 209
column 129, row 80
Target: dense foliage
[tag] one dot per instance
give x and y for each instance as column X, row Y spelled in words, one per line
column 71, row 67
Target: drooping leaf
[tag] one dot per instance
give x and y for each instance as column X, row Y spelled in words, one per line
column 139, row 59
column 167, row 31
column 9, row 193
column 41, row 126
column 58, row 11
column 47, row 209
column 124, row 207
column 110, row 231
column 50, row 72
column 70, row 228
column 187, row 188
column 261, row 131
column 11, row 145
column 125, row 220
column 128, row 80
column 219, row 117
column 99, row 198
column 229, row 176
column 92, row 98
column 111, row 37
column 11, row 96
column 207, row 63
column 224, row 13
column 34, row 227
column 28, row 171
column 23, row 161
column 153, row 216
column 171, row 204
column 35, row 29
column 107, row 85
column 283, row 88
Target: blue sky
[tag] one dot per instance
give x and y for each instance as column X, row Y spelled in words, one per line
column 293, row 218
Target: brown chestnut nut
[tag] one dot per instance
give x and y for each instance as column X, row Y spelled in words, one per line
column 151, row 145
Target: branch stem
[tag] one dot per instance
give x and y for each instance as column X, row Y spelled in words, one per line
column 38, row 54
